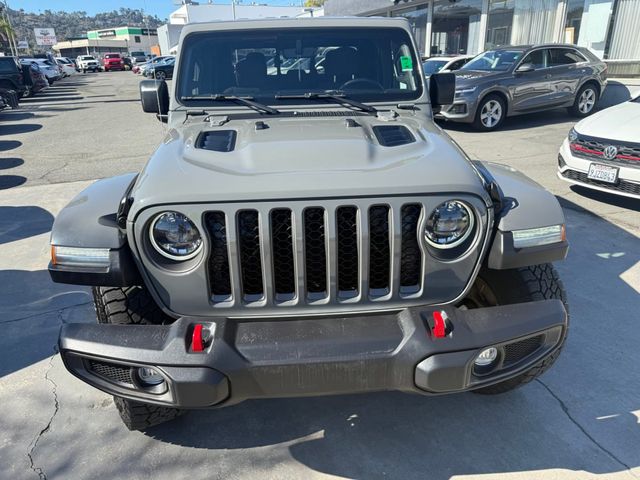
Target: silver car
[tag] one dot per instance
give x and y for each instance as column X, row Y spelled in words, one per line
column 524, row 79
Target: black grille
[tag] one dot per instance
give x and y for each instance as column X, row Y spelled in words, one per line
column 282, row 245
column 393, row 135
column 250, row 260
column 315, row 252
column 411, row 257
column 111, row 371
column 379, row 248
column 217, row 141
column 516, row 351
column 347, row 232
column 621, row 186
column 220, row 279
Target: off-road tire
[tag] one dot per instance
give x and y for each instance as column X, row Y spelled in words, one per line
column 519, row 285
column 133, row 306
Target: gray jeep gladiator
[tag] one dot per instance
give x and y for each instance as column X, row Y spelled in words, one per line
column 305, row 228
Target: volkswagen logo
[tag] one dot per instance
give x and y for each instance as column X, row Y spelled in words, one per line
column 610, row 152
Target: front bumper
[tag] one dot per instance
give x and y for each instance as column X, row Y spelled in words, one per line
column 262, row 358
column 463, row 109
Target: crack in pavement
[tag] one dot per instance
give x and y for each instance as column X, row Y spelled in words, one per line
column 565, row 409
column 34, row 443
column 59, row 310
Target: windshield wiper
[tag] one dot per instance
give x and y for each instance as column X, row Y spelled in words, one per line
column 247, row 101
column 338, row 97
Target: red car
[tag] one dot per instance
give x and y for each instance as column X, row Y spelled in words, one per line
column 112, row 61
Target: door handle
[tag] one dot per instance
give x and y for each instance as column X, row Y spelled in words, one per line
column 547, row 76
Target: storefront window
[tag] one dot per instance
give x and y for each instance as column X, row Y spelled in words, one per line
column 417, row 17
column 625, row 37
column 587, row 24
column 456, row 27
column 499, row 23
column 534, row 21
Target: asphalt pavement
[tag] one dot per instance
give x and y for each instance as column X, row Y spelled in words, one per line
column 580, row 420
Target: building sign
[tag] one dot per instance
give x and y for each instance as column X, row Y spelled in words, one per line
column 106, row 33
column 149, row 31
column 45, row 36
column 23, row 45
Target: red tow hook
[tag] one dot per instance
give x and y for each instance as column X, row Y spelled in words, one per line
column 198, row 339
column 441, row 324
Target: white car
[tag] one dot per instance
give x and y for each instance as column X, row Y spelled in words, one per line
column 87, row 62
column 68, row 68
column 444, row 64
column 602, row 151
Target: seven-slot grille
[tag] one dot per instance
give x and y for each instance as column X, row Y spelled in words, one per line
column 314, row 254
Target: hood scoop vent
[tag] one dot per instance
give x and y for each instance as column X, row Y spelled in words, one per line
column 393, row 135
column 217, row 141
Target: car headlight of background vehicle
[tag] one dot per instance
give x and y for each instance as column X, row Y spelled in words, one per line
column 174, row 236
column 465, row 91
column 449, row 224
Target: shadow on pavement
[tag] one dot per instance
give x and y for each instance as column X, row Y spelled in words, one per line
column 610, row 198
column 10, row 181
column 15, row 115
column 32, row 307
column 6, row 145
column 19, row 128
column 7, row 163
column 17, row 223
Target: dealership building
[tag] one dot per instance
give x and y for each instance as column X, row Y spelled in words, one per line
column 116, row 40
column 609, row 28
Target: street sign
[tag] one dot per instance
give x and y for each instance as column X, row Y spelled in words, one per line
column 45, row 36
column 23, row 45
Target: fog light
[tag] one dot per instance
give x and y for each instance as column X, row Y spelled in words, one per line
column 149, row 377
column 486, row 357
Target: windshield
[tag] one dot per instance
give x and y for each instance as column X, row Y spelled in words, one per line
column 365, row 64
column 494, row 60
column 112, row 55
column 433, row 66
column 86, row 57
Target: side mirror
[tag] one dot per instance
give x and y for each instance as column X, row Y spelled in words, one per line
column 154, row 95
column 525, row 68
column 442, row 89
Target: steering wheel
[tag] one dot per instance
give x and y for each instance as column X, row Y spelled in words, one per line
column 365, row 82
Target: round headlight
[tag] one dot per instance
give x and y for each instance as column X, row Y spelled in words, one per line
column 449, row 224
column 174, row 236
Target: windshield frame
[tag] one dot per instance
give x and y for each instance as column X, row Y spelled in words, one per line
column 420, row 94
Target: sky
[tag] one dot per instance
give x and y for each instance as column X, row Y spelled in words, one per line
column 161, row 8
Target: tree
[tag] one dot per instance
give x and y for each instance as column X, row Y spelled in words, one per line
column 314, row 3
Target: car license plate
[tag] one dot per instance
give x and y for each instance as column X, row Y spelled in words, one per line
column 603, row 173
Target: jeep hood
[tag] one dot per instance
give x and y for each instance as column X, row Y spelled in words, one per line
column 302, row 158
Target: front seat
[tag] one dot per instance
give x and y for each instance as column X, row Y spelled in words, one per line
column 251, row 72
column 341, row 65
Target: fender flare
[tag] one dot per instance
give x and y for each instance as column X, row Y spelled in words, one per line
column 90, row 220
column 525, row 205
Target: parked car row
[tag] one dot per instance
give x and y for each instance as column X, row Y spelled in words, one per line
column 163, row 65
column 24, row 77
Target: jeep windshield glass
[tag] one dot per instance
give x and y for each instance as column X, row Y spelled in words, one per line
column 281, row 66
column 494, row 60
